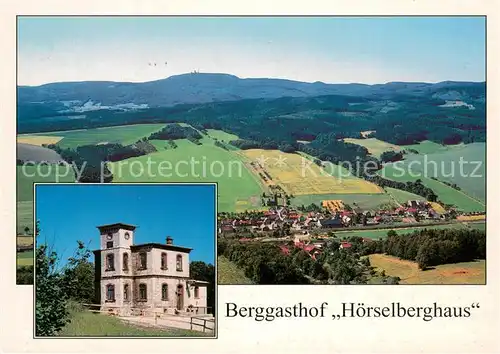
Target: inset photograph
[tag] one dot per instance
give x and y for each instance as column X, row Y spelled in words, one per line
column 125, row 260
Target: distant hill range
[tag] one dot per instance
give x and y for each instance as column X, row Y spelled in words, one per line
column 204, row 88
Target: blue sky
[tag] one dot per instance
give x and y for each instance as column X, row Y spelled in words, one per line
column 332, row 50
column 68, row 213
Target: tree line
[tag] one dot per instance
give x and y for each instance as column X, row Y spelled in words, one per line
column 431, row 247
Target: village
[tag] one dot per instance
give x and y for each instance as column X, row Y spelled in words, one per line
column 309, row 228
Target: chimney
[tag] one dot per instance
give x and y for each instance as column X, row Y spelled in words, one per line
column 169, row 240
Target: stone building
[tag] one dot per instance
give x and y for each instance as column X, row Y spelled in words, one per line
column 151, row 277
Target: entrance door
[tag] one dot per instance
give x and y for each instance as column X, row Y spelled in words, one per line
column 180, row 297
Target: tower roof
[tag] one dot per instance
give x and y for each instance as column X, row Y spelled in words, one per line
column 117, row 225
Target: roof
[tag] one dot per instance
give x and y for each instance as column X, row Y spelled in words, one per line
column 331, row 222
column 117, row 225
column 346, row 245
column 162, row 246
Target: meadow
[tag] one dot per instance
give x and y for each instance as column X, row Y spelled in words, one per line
column 87, row 324
column 408, row 272
column 26, row 176
column 401, row 196
column 194, row 163
column 382, row 233
column 426, row 147
column 123, row 134
column 444, row 164
column 298, row 176
column 375, row 146
column 445, row 193
column 24, row 216
column 229, row 273
column 25, row 258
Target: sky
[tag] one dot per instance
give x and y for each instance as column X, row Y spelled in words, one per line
column 68, row 213
column 328, row 49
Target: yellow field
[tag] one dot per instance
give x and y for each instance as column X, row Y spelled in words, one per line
column 438, row 208
column 38, row 139
column 299, row 176
column 375, row 147
column 333, row 205
column 471, row 217
column 24, row 240
column 458, row 273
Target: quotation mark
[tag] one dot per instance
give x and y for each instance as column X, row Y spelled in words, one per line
column 475, row 305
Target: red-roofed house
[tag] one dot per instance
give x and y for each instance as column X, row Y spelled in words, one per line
column 344, row 245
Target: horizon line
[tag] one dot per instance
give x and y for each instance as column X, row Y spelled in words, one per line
column 249, row 78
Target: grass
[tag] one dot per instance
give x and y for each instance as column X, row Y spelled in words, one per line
column 38, row 139
column 214, row 164
column 445, row 193
column 382, row 233
column 88, row 324
column 294, row 173
column 123, row 134
column 27, row 175
column 458, row 273
column 375, row 147
column 25, row 258
column 363, row 201
column 445, row 165
column 229, row 273
column 24, row 216
column 222, row 135
column 426, row 147
column 402, row 196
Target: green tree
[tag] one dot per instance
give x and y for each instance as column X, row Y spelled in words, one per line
column 206, row 272
column 78, row 276
column 51, row 314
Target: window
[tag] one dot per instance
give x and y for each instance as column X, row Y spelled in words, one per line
column 143, row 292
column 110, row 262
column 163, row 260
column 109, row 244
column 125, row 261
column 143, row 260
column 196, row 292
column 125, row 292
column 110, row 292
column 179, row 263
column 164, row 292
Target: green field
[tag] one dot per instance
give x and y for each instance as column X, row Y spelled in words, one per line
column 229, row 273
column 382, row 233
column 88, row 324
column 194, row 163
column 445, row 193
column 123, row 134
column 444, row 164
column 402, row 196
column 363, row 201
column 25, row 258
column 28, row 175
column 426, row 147
column 24, row 216
column 221, row 135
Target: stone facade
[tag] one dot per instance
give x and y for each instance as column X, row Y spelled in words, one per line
column 150, row 277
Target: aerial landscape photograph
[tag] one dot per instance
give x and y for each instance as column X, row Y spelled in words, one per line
column 346, row 150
